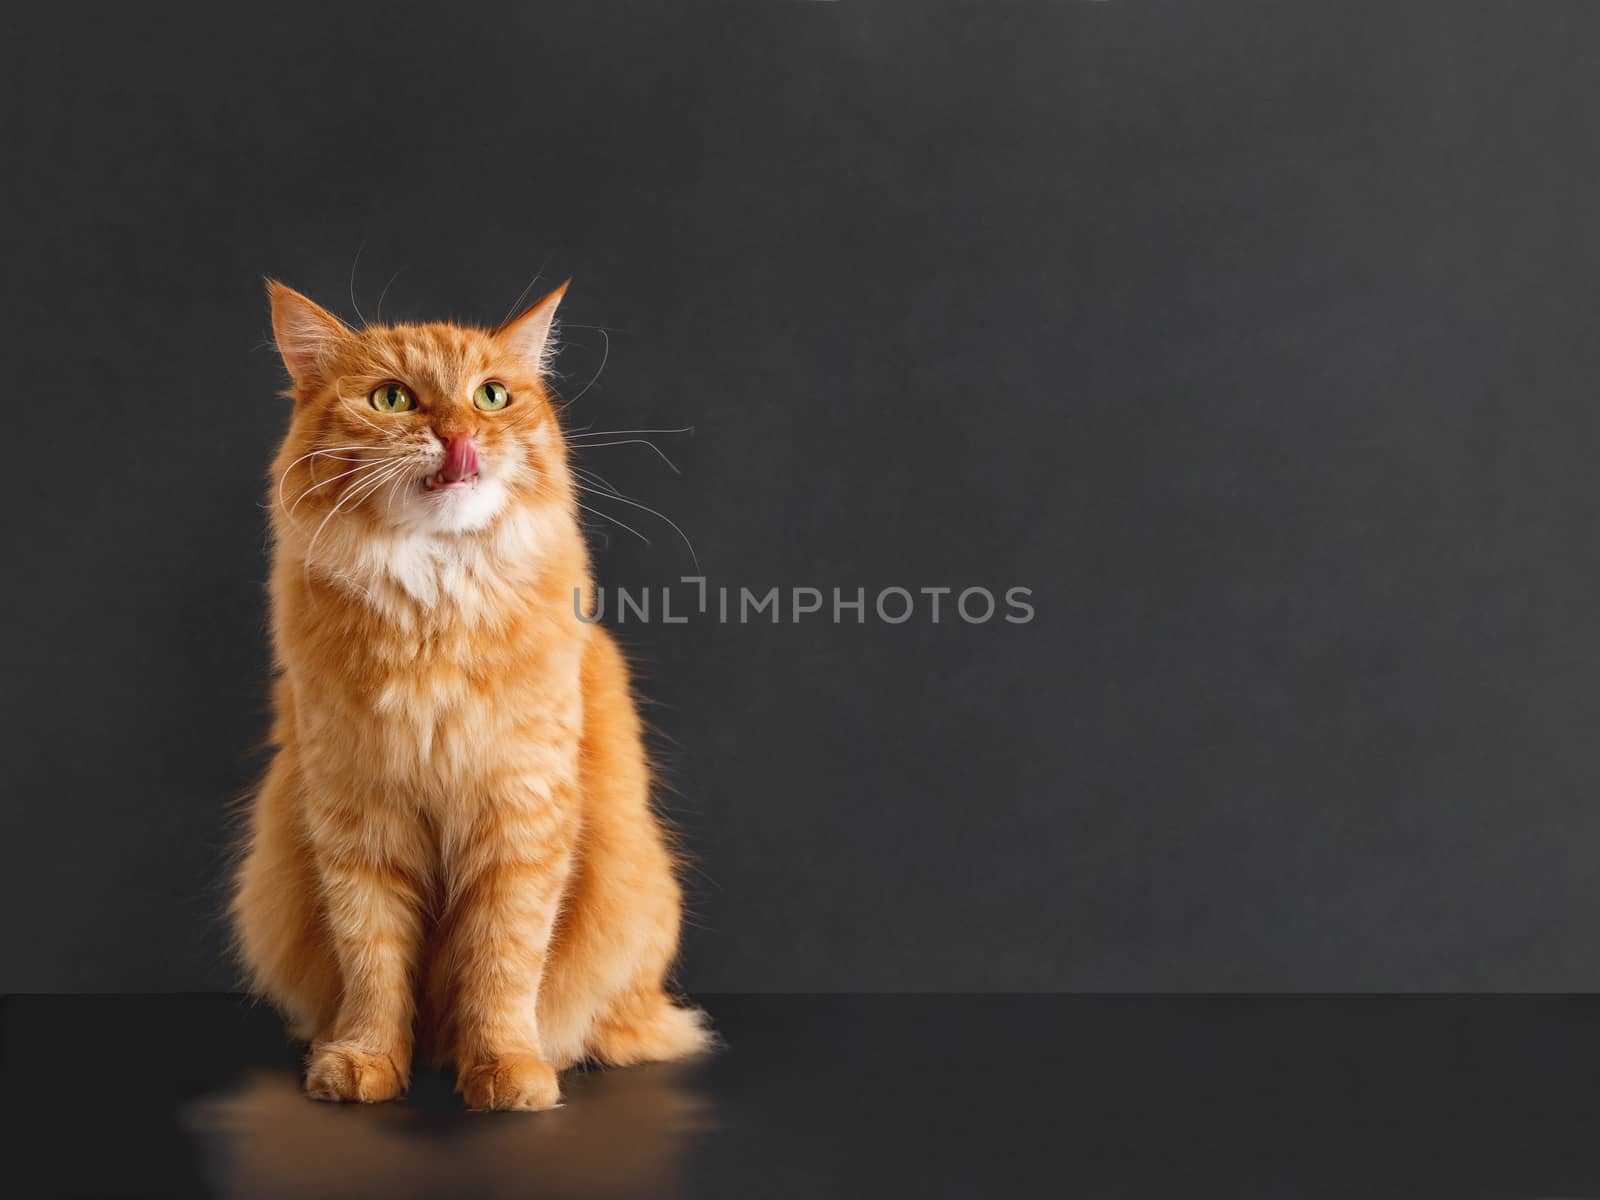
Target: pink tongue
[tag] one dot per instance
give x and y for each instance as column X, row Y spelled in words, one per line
column 460, row 460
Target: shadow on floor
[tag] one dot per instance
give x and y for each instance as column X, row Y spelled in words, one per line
column 619, row 1133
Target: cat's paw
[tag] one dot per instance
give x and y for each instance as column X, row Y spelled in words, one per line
column 524, row 1082
column 339, row 1071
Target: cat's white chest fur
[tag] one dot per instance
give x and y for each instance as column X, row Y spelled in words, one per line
column 409, row 572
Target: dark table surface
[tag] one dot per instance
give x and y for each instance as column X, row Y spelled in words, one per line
column 1103, row 1097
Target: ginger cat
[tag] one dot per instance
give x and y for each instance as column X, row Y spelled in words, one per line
column 452, row 856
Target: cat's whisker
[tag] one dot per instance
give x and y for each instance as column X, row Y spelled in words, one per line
column 385, row 292
column 365, row 466
column 613, row 520
column 397, row 470
column 394, row 489
column 353, row 494
column 523, row 294
column 327, row 452
column 363, row 488
column 632, row 442
column 589, row 432
column 388, row 435
column 634, row 503
column 381, row 471
column 594, row 476
column 353, row 265
column 605, row 356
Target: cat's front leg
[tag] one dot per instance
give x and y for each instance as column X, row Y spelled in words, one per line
column 369, row 860
column 512, row 868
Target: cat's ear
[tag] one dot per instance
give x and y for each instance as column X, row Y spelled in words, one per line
column 307, row 334
column 528, row 336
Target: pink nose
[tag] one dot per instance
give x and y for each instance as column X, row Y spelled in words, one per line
column 460, row 460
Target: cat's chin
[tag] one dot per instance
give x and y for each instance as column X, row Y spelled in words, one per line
column 440, row 507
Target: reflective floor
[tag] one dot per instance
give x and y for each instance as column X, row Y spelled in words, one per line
column 824, row 1096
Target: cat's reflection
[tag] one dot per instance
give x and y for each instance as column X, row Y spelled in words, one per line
column 619, row 1133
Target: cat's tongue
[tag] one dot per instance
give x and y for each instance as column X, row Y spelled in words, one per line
column 460, row 460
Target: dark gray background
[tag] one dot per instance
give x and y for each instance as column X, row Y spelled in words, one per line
column 1256, row 338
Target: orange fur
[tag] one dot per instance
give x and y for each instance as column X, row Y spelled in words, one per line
column 453, row 854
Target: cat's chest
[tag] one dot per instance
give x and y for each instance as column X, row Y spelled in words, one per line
column 470, row 678
column 446, row 699
column 441, row 729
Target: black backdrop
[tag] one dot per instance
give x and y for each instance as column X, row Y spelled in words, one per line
column 1254, row 337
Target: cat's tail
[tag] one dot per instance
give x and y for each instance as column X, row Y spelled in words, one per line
column 649, row 1027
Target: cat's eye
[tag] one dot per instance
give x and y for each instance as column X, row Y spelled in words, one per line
column 491, row 397
column 392, row 398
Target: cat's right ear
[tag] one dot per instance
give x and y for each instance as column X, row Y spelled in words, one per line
column 307, row 334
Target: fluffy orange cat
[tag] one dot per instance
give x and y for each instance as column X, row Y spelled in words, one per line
column 452, row 857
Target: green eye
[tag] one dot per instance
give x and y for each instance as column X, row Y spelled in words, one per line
column 491, row 397
column 392, row 398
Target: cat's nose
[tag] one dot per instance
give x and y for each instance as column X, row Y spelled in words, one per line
column 460, row 459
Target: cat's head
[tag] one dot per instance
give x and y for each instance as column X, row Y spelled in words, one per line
column 433, row 428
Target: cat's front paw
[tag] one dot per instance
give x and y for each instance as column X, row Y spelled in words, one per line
column 524, row 1082
column 338, row 1071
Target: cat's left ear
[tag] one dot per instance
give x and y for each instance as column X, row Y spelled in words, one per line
column 528, row 336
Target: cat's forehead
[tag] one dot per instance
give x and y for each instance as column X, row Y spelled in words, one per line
column 436, row 355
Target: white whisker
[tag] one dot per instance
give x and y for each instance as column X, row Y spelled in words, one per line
column 632, row 442
column 590, row 432
column 387, row 434
column 594, row 476
column 613, row 520
column 327, row 452
column 618, row 496
column 523, row 294
column 354, row 494
column 385, row 292
column 365, row 466
column 353, row 264
column 604, row 358
column 395, row 490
